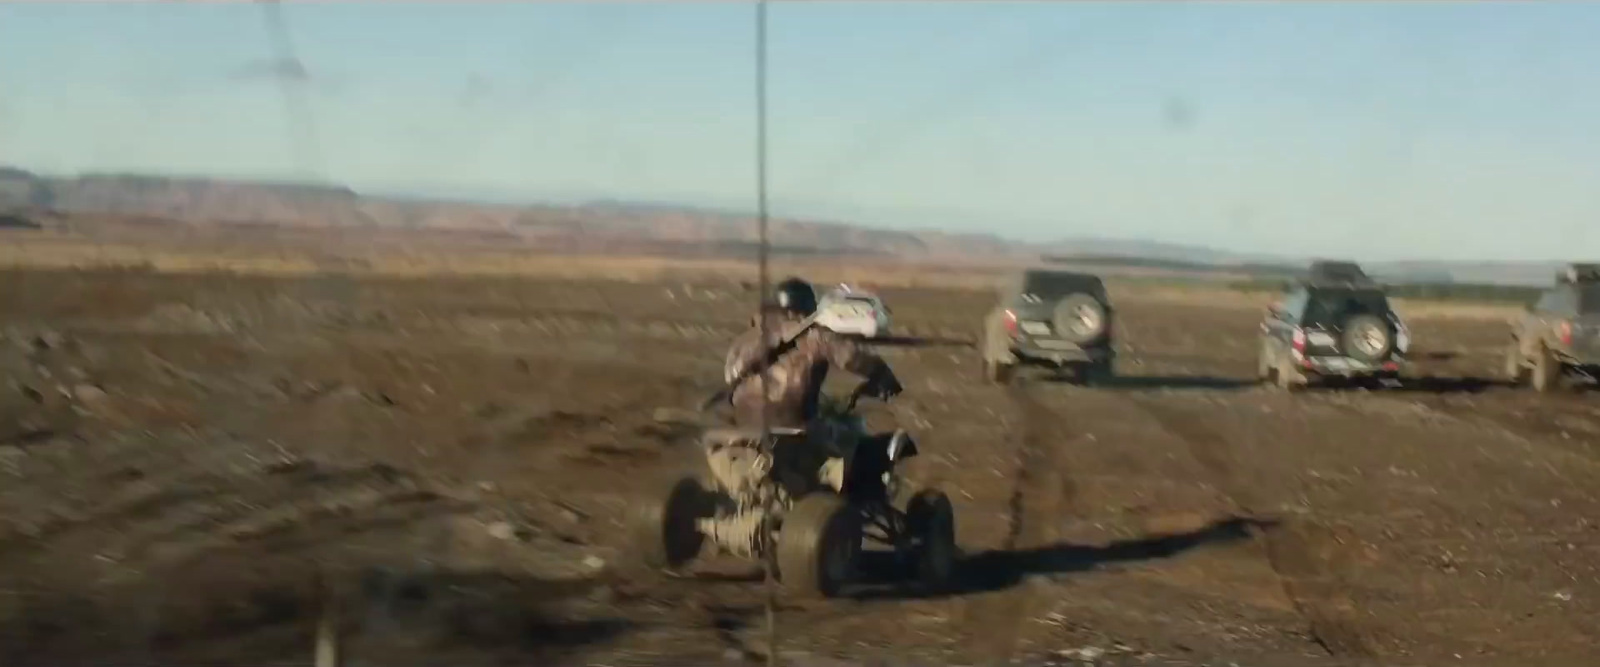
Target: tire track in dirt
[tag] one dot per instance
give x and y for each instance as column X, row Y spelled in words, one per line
column 282, row 507
column 1566, row 426
column 1301, row 552
column 1040, row 493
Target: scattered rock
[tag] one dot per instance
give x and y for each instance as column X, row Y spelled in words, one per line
column 89, row 395
column 569, row 514
column 1084, row 654
column 502, row 530
column 594, row 562
column 48, row 340
column 674, row 416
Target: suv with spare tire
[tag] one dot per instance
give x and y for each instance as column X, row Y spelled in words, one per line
column 1056, row 319
column 1334, row 324
column 1558, row 337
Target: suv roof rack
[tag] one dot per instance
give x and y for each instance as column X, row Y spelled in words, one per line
column 1579, row 273
column 1336, row 273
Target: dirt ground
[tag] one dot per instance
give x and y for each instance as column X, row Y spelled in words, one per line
column 182, row 455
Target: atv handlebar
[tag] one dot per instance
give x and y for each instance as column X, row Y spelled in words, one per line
column 863, row 390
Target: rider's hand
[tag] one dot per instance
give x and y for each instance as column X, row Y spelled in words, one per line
column 887, row 387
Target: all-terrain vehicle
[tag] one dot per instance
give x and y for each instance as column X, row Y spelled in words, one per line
column 1057, row 319
column 1336, row 323
column 807, row 500
column 1558, row 338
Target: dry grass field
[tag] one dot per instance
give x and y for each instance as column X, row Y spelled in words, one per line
column 456, row 438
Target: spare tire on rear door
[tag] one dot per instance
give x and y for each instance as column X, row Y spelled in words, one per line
column 1367, row 338
column 1080, row 318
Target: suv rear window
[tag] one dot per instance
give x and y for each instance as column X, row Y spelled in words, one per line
column 1326, row 304
column 1048, row 284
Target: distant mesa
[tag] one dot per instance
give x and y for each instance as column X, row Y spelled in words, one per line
column 207, row 205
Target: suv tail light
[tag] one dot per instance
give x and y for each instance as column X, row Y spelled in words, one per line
column 1299, row 340
column 1011, row 323
column 1566, row 332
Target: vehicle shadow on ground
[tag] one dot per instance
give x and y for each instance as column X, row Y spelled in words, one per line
column 923, row 341
column 1170, row 382
column 1001, row 569
column 1148, row 382
column 1448, row 385
column 1436, row 356
column 1419, row 385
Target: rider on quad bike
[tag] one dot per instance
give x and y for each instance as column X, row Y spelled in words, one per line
column 812, row 486
column 798, row 373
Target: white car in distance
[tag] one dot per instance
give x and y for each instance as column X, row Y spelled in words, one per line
column 852, row 312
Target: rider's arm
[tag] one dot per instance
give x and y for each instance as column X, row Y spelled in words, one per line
column 743, row 355
column 847, row 354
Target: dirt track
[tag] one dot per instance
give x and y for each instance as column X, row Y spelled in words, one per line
column 177, row 453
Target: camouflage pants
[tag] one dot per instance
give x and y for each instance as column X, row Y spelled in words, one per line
column 743, row 471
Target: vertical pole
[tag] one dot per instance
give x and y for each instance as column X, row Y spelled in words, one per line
column 328, row 651
column 769, row 582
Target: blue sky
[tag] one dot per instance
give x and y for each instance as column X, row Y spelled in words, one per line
column 1448, row 130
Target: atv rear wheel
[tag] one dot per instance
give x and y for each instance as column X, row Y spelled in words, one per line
column 665, row 531
column 931, row 522
column 818, row 545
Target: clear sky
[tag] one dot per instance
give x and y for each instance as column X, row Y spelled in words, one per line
column 1448, row 130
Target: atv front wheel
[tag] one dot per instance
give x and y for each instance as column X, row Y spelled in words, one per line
column 931, row 524
column 666, row 534
column 818, row 545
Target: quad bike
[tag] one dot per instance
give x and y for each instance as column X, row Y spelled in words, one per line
column 807, row 499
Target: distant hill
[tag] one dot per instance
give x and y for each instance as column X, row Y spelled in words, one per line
column 206, row 203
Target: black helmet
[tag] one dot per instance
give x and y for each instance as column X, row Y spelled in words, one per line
column 795, row 296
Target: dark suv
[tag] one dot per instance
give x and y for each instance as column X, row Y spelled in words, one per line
column 1057, row 319
column 1559, row 336
column 1335, row 323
